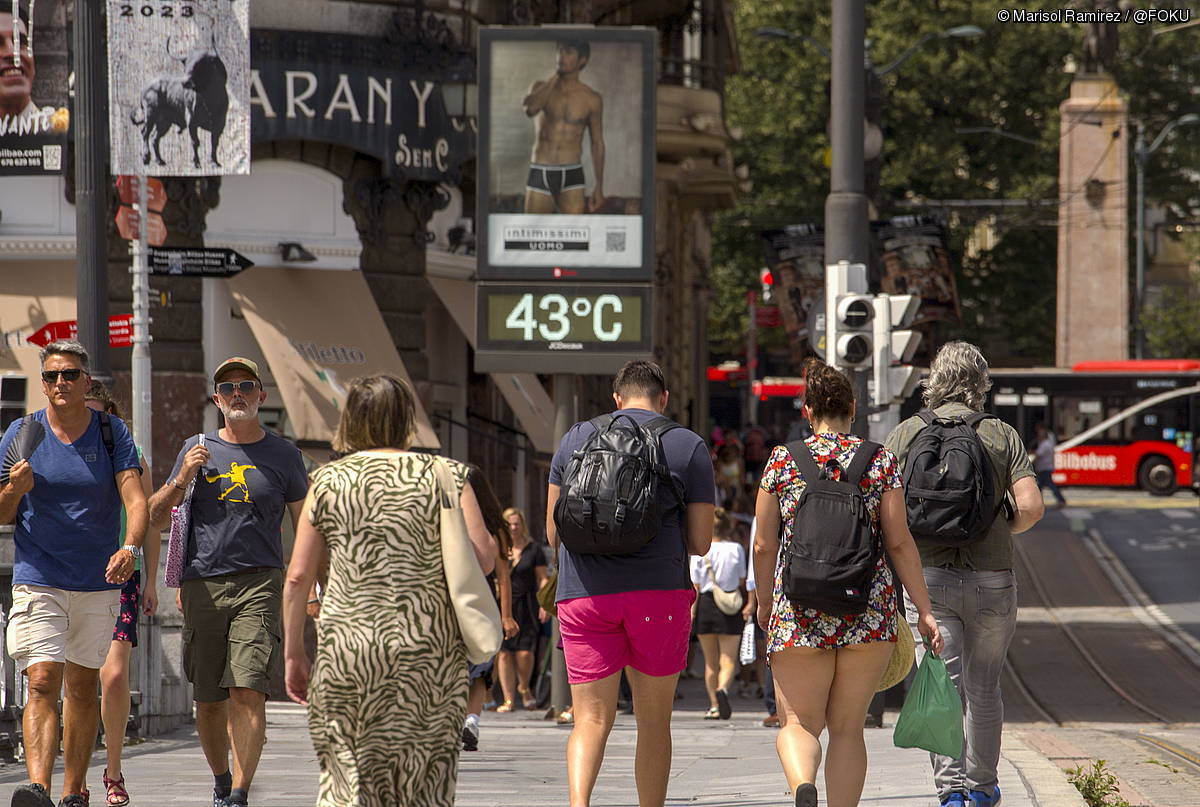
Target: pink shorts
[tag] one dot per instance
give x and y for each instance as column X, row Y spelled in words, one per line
column 646, row 630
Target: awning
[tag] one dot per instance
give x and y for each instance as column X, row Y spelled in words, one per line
column 319, row 329
column 30, row 297
column 523, row 393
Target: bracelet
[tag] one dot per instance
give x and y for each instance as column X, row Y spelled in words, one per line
column 175, row 484
column 315, row 600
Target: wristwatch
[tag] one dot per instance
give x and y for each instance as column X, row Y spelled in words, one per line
column 136, row 551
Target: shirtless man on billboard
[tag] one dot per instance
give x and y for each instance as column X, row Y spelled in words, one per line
column 563, row 108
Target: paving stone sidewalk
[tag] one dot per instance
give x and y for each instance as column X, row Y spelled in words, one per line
column 521, row 762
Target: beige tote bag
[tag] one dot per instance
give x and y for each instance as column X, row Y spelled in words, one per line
column 470, row 595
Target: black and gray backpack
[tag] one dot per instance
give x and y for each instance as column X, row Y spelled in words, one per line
column 832, row 556
column 609, row 504
column 949, row 487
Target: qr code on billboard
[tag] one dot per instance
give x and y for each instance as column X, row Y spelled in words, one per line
column 52, row 158
column 614, row 241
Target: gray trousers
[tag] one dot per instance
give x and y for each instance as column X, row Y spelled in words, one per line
column 977, row 616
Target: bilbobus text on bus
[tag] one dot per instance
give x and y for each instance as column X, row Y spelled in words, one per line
column 1118, row 423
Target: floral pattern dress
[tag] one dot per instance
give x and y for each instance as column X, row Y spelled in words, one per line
column 808, row 627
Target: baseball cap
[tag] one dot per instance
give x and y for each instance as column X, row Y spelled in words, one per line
column 237, row 363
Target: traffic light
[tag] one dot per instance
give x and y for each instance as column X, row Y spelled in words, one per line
column 853, row 344
column 848, row 314
column 768, row 285
column 894, row 346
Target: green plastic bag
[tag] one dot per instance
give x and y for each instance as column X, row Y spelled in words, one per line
column 932, row 716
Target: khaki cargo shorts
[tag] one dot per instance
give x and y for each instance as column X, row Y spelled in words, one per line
column 52, row 624
column 231, row 632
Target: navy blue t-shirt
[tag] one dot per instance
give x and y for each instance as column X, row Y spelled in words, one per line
column 67, row 526
column 238, row 504
column 662, row 563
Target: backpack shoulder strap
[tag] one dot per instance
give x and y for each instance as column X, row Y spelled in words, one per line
column 861, row 463
column 658, row 426
column 802, row 456
column 927, row 416
column 106, row 433
column 601, row 422
column 974, row 419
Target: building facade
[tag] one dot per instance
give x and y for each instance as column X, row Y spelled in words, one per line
column 358, row 214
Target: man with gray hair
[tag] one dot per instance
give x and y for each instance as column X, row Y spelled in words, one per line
column 66, row 578
column 971, row 583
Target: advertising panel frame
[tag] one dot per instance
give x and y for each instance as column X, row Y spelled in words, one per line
column 549, row 239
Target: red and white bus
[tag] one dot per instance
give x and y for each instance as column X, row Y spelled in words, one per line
column 1119, row 423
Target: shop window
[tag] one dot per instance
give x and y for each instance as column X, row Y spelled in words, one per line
column 13, row 389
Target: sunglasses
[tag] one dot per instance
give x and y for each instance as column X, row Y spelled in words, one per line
column 51, row 376
column 226, row 388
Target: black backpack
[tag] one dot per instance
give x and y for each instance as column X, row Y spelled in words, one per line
column 609, row 499
column 833, row 552
column 949, row 488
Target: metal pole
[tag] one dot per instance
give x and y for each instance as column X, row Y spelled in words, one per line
column 140, row 362
column 846, row 214
column 564, row 417
column 91, row 191
column 752, row 358
column 1139, row 159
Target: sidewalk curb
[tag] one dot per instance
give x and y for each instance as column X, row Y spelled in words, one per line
column 1045, row 781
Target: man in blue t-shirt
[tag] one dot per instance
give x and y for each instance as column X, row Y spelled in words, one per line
column 632, row 612
column 232, row 591
column 66, row 497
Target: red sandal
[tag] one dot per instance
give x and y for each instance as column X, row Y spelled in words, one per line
column 117, row 795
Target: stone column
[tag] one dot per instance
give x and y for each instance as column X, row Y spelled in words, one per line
column 1093, row 224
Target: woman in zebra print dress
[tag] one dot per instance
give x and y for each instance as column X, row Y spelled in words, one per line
column 388, row 689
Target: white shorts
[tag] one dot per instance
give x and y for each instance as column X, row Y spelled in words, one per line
column 52, row 624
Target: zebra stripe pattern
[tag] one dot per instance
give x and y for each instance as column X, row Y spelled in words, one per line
column 389, row 687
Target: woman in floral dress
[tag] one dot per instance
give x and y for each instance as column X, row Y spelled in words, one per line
column 827, row 667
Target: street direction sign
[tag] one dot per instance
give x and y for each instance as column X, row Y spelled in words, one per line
column 127, row 226
column 197, row 261
column 120, row 331
column 156, row 194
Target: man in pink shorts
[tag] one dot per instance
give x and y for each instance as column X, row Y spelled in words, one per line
column 632, row 611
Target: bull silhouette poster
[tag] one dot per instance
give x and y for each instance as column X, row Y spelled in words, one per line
column 34, row 110
column 179, row 87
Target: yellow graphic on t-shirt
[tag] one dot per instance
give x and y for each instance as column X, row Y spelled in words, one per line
column 237, row 480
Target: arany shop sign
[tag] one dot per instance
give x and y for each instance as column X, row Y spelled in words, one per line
column 318, row 87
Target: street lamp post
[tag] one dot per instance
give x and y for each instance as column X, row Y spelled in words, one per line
column 1140, row 155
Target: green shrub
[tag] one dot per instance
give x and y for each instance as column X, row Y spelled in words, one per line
column 1097, row 785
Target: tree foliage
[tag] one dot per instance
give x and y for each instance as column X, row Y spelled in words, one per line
column 1013, row 79
column 1173, row 324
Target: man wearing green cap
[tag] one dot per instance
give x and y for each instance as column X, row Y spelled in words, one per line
column 233, row 571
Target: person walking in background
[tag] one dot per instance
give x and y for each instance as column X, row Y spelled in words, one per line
column 246, row 478
column 827, row 666
column 527, row 563
column 749, row 613
column 114, row 675
column 1043, row 462
column 730, row 471
column 479, row 676
column 67, row 570
column 720, row 633
column 973, row 585
column 628, row 611
column 388, row 690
